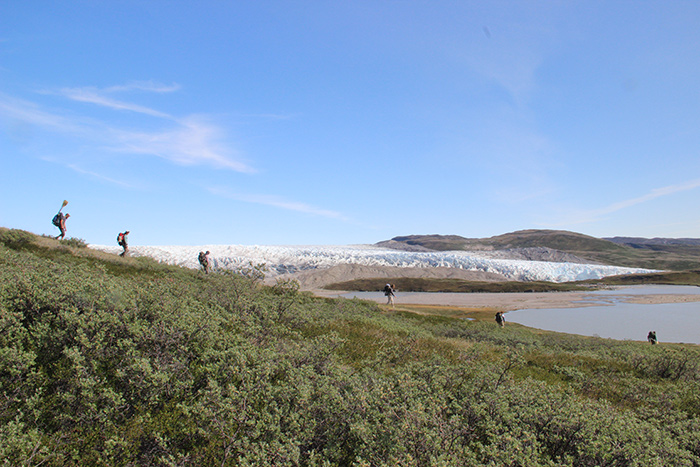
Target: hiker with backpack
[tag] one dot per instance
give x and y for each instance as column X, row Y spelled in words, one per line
column 651, row 337
column 500, row 319
column 204, row 261
column 122, row 240
column 59, row 220
column 390, row 293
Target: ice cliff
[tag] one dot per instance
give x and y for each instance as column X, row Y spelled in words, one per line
column 290, row 259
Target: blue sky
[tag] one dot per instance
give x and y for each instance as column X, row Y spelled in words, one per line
column 324, row 122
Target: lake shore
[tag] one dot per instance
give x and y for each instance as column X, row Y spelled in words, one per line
column 518, row 301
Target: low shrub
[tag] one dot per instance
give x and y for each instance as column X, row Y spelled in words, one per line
column 74, row 242
column 130, row 362
column 15, row 238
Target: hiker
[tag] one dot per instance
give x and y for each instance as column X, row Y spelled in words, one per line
column 389, row 292
column 59, row 220
column 204, row 261
column 500, row 319
column 123, row 240
column 651, row 337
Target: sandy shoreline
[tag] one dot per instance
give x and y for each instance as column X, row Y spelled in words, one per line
column 521, row 300
column 314, row 280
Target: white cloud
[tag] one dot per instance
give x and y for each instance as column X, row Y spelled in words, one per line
column 190, row 140
column 194, row 141
column 148, row 86
column 594, row 215
column 94, row 96
column 29, row 113
column 99, row 176
column 97, row 96
column 275, row 201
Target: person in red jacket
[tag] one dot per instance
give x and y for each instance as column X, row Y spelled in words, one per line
column 123, row 242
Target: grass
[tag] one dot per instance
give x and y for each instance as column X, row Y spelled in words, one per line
column 452, row 312
column 112, row 361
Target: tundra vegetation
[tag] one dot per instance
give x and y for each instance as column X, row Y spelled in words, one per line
column 422, row 284
column 109, row 361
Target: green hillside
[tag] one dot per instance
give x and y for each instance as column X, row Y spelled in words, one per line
column 638, row 255
column 555, row 239
column 109, row 361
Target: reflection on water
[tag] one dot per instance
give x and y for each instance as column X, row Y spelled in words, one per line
column 673, row 322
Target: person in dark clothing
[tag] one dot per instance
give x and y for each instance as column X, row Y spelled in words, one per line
column 390, row 294
column 500, row 319
column 651, row 337
column 62, row 225
column 204, row 261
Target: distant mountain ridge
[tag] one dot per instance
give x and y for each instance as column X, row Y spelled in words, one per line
column 653, row 241
column 561, row 245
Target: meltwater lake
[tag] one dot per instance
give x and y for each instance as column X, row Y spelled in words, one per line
column 614, row 318
column 605, row 313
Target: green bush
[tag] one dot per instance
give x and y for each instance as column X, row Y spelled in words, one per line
column 15, row 238
column 75, row 242
column 112, row 362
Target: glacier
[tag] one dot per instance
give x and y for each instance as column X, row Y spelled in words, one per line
column 292, row 259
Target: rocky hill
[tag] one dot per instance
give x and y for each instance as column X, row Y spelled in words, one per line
column 559, row 245
column 637, row 241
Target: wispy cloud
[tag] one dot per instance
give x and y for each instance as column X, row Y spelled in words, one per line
column 103, row 97
column 30, row 113
column 193, row 141
column 95, row 96
column 189, row 140
column 270, row 116
column 653, row 194
column 99, row 176
column 277, row 202
column 594, row 215
column 148, row 86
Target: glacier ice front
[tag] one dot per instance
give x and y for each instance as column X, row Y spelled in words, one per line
column 290, row 259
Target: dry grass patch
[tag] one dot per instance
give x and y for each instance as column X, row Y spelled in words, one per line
column 456, row 312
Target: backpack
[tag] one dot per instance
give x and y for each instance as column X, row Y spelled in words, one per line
column 120, row 239
column 202, row 258
column 57, row 220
